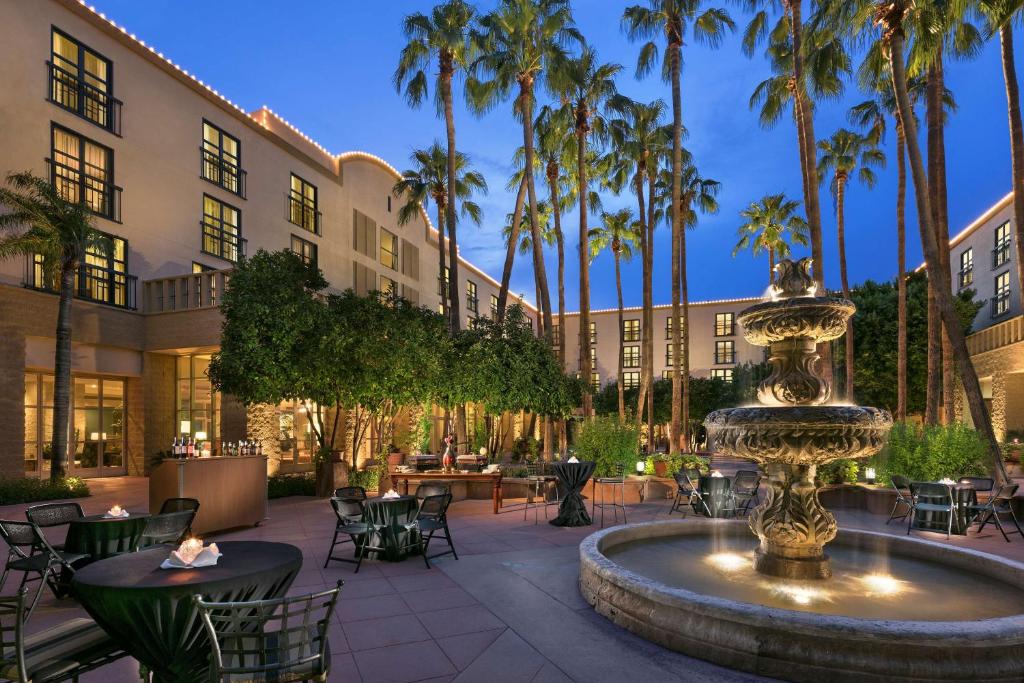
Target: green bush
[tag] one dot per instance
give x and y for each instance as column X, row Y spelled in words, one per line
column 932, row 453
column 702, row 465
column 838, row 472
column 31, row 490
column 284, row 485
column 368, row 479
column 608, row 443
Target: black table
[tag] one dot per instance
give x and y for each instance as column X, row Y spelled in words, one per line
column 716, row 493
column 101, row 537
column 392, row 515
column 149, row 611
column 927, row 520
column 572, row 477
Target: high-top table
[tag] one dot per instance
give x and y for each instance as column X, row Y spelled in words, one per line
column 716, row 495
column 101, row 537
column 149, row 611
column 573, row 476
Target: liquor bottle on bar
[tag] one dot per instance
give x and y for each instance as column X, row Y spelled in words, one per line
column 174, row 447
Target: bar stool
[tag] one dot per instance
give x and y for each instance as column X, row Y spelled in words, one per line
column 537, row 482
column 617, row 482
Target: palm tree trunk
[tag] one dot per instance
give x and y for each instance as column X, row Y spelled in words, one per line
column 618, row 291
column 901, row 277
column 526, row 108
column 645, row 332
column 62, row 374
column 843, row 278
column 649, row 295
column 685, row 296
column 453, row 246
column 581, row 192
column 929, row 243
column 677, row 228
column 771, row 266
column 934, row 342
column 1016, row 143
column 942, row 234
column 510, row 252
column 563, row 439
column 440, row 258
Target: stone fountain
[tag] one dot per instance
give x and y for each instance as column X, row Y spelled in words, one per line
column 795, row 428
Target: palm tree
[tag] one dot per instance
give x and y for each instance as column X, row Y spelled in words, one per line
column 38, row 220
column 518, row 43
column 639, row 139
column 892, row 19
column 619, row 233
column 585, row 85
column 522, row 242
column 842, row 154
column 444, row 37
column 428, row 180
column 771, row 224
column 671, row 19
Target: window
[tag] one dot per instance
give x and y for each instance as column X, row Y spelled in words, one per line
column 556, row 335
column 444, row 288
column 197, row 402
column 102, row 276
column 220, row 160
column 593, row 332
column 296, row 437
column 1001, row 301
column 494, row 306
column 630, row 356
column 725, row 351
column 595, row 380
column 668, row 355
column 725, row 325
column 388, row 249
column 388, row 288
column 667, row 374
column 1001, row 254
column 302, row 205
column 722, row 374
column 630, row 330
column 222, row 230
column 593, row 358
column 83, row 171
column 80, row 81
column 201, row 268
column 389, row 203
column 668, row 328
column 472, row 302
column 630, row 380
column 966, row 275
column 364, row 234
column 305, row 249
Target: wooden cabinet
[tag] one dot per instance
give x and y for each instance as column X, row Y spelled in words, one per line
column 232, row 491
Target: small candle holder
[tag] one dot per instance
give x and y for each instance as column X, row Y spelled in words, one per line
column 189, row 549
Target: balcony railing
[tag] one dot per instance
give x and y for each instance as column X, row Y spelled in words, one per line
column 1001, row 254
column 101, row 196
column 300, row 213
column 222, row 243
column 996, row 336
column 92, row 283
column 1000, row 305
column 185, row 292
column 69, row 92
column 221, row 172
column 965, row 277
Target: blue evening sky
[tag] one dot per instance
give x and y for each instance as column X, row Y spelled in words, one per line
column 327, row 66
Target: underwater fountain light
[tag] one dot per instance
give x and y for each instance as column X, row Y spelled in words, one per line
column 882, row 584
column 728, row 562
column 799, row 594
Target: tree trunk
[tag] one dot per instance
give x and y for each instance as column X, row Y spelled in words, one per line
column 685, row 362
column 929, row 243
column 651, row 170
column 510, row 252
column 62, row 374
column 442, row 280
column 453, row 245
column 618, row 291
column 563, row 440
column 526, row 108
column 901, row 275
column 942, row 234
column 677, row 228
column 585, row 367
column 1016, row 143
column 771, row 266
column 844, row 280
column 645, row 332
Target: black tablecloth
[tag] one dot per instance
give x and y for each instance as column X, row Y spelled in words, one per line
column 963, row 494
column 393, row 514
column 573, row 476
column 717, row 495
column 149, row 610
column 100, row 537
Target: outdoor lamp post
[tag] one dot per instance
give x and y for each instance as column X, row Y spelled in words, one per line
column 869, row 475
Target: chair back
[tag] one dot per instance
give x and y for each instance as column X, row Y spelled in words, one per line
column 12, row 620
column 351, row 493
column 179, row 505
column 618, row 471
column 928, row 489
column 170, row 527
column 746, row 481
column 534, row 469
column 978, row 483
column 424, row 490
column 682, row 481
column 24, row 538
column 1006, row 493
column 900, row 483
column 279, row 639
column 435, row 507
column 54, row 514
column 347, row 510
column 691, row 473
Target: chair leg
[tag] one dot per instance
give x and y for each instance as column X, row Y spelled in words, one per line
column 360, row 550
column 448, row 537
column 1013, row 516
column 330, row 551
column 35, row 598
column 999, row 525
column 892, row 513
column 423, row 547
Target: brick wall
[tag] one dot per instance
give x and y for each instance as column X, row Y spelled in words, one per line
column 12, row 406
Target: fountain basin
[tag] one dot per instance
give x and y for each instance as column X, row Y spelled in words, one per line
column 703, row 620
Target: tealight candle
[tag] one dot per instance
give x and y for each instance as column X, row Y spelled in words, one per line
column 716, row 473
column 115, row 511
column 189, row 548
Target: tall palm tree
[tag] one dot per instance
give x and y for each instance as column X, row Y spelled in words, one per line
column 618, row 233
column 38, row 220
column 639, row 139
column 866, row 19
column 442, row 37
column 428, row 180
column 772, row 223
column 518, row 43
column 523, row 241
column 585, row 85
column 842, row 154
column 671, row 19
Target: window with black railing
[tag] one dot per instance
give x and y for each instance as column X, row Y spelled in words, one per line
column 669, row 356
column 1001, row 300
column 494, row 306
column 102, row 276
column 630, row 356
column 79, row 80
column 220, row 160
column 725, row 324
column 630, row 380
column 82, row 171
column 444, row 287
column 556, row 335
column 222, row 230
column 724, row 374
column 630, row 330
column 306, row 250
column 1001, row 254
column 302, row 205
column 593, row 332
column 725, row 351
column 965, row 276
column 668, row 328
column 472, row 302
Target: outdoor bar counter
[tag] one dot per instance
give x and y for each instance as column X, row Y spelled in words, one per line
column 232, row 490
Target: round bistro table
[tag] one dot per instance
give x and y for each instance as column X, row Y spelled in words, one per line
column 964, row 495
column 149, row 611
column 717, row 495
column 573, row 476
column 101, row 537
column 392, row 515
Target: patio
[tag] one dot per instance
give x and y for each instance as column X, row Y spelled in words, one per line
column 507, row 610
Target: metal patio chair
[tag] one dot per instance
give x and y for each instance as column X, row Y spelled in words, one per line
column 933, row 491
column 981, row 485
column 432, row 518
column 903, row 497
column 999, row 504
column 617, row 482
column 350, row 493
column 54, row 514
column 425, row 490
column 537, row 481
column 170, row 527
column 745, row 486
column 350, row 526
column 30, row 553
column 684, row 492
column 179, row 505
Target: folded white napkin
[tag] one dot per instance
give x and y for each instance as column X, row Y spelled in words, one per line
column 207, row 557
column 107, row 515
column 947, row 481
column 572, row 459
column 391, row 494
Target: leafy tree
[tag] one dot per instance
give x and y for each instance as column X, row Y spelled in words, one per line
column 39, row 220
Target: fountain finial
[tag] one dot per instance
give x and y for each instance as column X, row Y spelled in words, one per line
column 793, row 279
